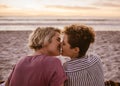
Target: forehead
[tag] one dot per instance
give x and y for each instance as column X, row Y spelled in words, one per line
column 57, row 34
column 65, row 38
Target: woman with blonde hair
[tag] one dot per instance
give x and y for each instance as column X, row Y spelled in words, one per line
column 41, row 68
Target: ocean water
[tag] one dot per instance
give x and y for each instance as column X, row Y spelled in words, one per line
column 31, row 23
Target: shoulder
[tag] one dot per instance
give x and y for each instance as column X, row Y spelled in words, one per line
column 23, row 61
column 51, row 60
column 63, row 59
column 82, row 63
column 94, row 57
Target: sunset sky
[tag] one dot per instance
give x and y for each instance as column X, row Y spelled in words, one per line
column 106, row 8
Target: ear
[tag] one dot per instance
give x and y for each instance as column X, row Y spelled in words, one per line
column 76, row 50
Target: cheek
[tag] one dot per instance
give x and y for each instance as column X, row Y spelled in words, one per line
column 65, row 49
column 53, row 46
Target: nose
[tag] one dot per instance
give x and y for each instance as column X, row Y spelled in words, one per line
column 60, row 49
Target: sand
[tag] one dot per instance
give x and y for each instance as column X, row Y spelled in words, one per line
column 13, row 47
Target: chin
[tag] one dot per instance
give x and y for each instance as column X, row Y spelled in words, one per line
column 63, row 54
column 57, row 54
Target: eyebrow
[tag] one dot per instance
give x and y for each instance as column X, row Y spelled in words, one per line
column 58, row 38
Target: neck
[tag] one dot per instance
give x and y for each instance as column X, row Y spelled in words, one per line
column 77, row 56
column 41, row 52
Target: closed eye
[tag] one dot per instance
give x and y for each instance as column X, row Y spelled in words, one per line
column 58, row 39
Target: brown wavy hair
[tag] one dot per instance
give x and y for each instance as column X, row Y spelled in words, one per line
column 80, row 36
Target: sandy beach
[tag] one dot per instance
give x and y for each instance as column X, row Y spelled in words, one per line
column 13, row 47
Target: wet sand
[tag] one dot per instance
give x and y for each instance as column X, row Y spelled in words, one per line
column 13, row 47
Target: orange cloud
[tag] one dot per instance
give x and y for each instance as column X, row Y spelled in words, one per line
column 3, row 6
column 54, row 10
column 107, row 4
column 70, row 7
column 111, row 4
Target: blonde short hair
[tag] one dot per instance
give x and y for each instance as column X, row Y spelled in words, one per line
column 41, row 36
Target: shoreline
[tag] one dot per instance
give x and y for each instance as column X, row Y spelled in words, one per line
column 97, row 30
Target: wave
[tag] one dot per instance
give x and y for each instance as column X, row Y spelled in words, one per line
column 59, row 23
column 13, row 23
column 59, row 19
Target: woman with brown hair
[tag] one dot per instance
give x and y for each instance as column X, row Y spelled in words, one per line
column 82, row 70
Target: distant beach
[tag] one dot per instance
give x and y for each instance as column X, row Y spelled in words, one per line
column 30, row 23
column 13, row 47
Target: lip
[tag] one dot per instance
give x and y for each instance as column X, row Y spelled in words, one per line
column 59, row 47
column 62, row 51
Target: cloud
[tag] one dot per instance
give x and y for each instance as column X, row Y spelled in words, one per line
column 111, row 4
column 3, row 6
column 107, row 4
column 70, row 7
